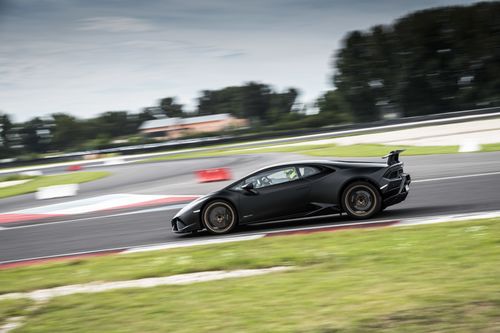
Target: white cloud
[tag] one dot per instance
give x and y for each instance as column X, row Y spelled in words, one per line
column 115, row 24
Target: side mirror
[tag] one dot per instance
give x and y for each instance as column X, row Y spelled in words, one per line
column 249, row 188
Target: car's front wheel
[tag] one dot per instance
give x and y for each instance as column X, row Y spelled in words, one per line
column 219, row 217
column 361, row 200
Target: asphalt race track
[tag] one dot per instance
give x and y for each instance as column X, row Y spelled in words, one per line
column 442, row 184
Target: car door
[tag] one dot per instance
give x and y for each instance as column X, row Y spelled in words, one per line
column 277, row 193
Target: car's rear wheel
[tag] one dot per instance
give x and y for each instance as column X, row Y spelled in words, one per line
column 219, row 217
column 361, row 200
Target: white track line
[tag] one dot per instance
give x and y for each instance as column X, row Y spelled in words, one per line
column 97, row 203
column 174, row 207
column 456, row 177
column 449, row 218
column 145, row 247
column 204, row 241
column 43, row 224
column 192, row 243
column 257, row 235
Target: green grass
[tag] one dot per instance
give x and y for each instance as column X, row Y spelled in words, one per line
column 266, row 252
column 361, row 150
column 490, row 147
column 12, row 308
column 41, row 181
column 429, row 278
column 15, row 177
column 322, row 150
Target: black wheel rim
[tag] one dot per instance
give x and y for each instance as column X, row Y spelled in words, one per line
column 360, row 200
column 219, row 217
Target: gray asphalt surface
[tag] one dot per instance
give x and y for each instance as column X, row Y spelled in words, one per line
column 143, row 226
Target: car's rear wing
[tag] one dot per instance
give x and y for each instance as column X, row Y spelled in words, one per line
column 393, row 156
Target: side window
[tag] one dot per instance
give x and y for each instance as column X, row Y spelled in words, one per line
column 272, row 177
column 308, row 171
column 283, row 175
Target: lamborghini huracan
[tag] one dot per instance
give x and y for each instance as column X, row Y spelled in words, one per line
column 299, row 190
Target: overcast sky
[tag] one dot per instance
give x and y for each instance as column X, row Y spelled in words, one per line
column 88, row 56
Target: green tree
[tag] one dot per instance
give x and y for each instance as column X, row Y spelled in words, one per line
column 68, row 132
column 170, row 108
column 332, row 109
column 226, row 100
column 255, row 101
column 431, row 61
column 5, row 128
column 114, row 124
column 149, row 113
column 281, row 104
column 5, row 135
column 36, row 135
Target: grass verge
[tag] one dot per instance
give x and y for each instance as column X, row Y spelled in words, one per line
column 491, row 147
column 338, row 247
column 361, row 150
column 15, row 177
column 12, row 308
column 41, row 181
column 411, row 279
column 323, row 150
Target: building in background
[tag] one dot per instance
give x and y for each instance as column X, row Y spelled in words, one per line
column 172, row 128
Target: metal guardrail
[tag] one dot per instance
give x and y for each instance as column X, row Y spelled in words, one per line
column 447, row 118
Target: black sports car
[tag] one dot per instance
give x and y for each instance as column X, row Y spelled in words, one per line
column 299, row 190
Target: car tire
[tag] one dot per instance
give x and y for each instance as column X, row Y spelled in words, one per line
column 361, row 200
column 219, row 217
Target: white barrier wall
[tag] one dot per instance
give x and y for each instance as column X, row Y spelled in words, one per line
column 57, row 191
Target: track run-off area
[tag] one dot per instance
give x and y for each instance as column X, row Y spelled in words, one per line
column 443, row 185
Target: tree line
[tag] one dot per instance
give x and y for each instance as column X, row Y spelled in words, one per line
column 431, row 61
column 257, row 102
